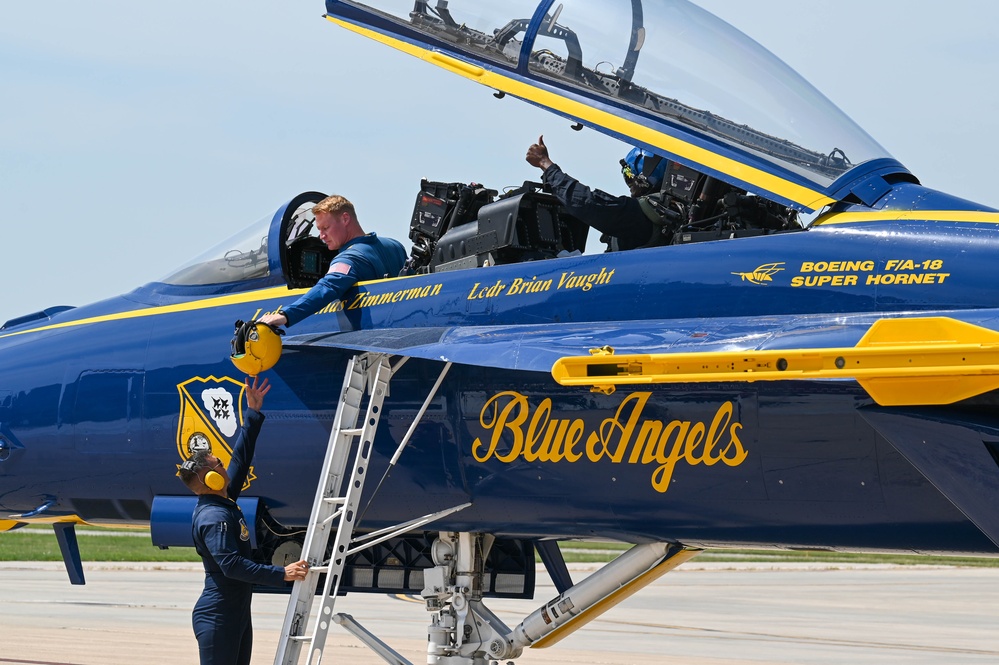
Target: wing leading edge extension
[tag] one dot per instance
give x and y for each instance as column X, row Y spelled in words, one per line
column 901, row 361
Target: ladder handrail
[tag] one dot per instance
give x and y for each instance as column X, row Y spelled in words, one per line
column 367, row 374
column 328, row 505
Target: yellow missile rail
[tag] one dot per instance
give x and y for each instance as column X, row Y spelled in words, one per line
column 899, row 362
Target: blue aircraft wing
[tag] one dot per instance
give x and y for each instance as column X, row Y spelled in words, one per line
column 538, row 347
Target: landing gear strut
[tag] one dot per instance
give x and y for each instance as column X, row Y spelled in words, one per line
column 463, row 631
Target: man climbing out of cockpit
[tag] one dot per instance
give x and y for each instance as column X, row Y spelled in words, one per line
column 626, row 222
column 361, row 256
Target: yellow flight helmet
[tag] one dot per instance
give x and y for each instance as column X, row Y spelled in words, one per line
column 256, row 347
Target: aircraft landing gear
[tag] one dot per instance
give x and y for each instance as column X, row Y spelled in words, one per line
column 463, row 631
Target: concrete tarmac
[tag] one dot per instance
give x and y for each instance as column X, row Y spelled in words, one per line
column 700, row 614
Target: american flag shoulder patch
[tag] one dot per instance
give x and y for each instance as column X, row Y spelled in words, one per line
column 339, row 269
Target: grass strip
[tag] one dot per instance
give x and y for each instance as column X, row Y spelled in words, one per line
column 38, row 543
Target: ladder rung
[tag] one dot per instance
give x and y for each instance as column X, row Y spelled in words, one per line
column 336, row 470
column 332, row 517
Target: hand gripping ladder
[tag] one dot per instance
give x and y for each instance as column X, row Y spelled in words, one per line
column 331, row 503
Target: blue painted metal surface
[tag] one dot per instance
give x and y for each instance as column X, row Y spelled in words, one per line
column 170, row 520
column 95, row 394
column 98, row 402
column 70, row 550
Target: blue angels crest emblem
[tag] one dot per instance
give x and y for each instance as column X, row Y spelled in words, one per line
column 211, row 413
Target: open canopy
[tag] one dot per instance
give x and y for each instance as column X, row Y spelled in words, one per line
column 665, row 75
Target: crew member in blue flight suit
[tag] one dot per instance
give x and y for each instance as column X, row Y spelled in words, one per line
column 362, row 256
column 623, row 220
column 222, row 614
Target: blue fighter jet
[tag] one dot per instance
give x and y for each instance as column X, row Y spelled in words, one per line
column 744, row 380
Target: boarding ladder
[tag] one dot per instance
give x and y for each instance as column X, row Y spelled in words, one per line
column 337, row 504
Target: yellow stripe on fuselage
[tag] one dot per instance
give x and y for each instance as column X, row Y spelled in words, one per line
column 187, row 306
column 963, row 216
column 791, row 191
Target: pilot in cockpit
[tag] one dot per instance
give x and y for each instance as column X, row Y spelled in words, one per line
column 626, row 222
column 360, row 256
column 666, row 197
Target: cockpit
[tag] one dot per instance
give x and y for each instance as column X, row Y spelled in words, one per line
column 239, row 258
column 456, row 226
column 283, row 246
column 666, row 66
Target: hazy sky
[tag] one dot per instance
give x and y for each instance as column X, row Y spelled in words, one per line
column 135, row 135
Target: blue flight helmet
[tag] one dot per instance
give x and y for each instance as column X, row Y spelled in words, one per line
column 646, row 167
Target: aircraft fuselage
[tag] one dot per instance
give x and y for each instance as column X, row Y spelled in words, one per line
column 92, row 400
